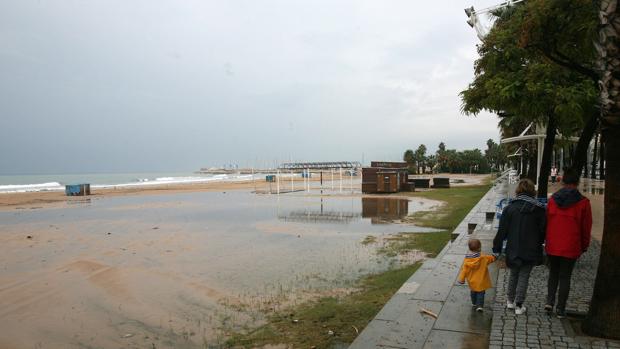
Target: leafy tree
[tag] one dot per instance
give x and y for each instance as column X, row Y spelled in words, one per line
column 451, row 160
column 442, row 160
column 409, row 158
column 495, row 155
column 420, row 157
column 515, row 78
column 564, row 31
column 431, row 161
column 442, row 147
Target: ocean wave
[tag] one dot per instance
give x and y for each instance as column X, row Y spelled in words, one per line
column 137, row 182
column 178, row 180
column 23, row 188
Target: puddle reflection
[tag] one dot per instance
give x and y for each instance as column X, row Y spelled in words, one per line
column 81, row 201
column 384, row 210
column 379, row 210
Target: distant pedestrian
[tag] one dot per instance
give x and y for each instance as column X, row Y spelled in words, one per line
column 476, row 273
column 569, row 224
column 523, row 226
column 554, row 174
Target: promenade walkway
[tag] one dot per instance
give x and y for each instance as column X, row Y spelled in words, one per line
column 400, row 324
column 541, row 330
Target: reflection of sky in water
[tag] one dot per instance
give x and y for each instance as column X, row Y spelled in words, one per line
column 231, row 209
column 239, row 242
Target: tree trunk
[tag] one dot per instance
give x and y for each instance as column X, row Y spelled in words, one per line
column 594, row 159
column 531, row 166
column 567, row 150
column 580, row 155
column 601, row 173
column 545, row 166
column 603, row 319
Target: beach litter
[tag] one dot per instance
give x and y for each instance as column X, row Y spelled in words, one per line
column 428, row 312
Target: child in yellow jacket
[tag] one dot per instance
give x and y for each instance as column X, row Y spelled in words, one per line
column 476, row 273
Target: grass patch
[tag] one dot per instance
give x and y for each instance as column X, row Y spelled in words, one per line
column 458, row 202
column 309, row 324
column 369, row 239
column 402, row 243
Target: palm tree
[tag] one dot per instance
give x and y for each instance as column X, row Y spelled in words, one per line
column 409, row 158
column 603, row 319
column 510, row 126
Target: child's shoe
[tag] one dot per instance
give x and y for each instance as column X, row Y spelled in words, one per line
column 510, row 305
column 548, row 308
column 520, row 310
column 479, row 309
column 561, row 314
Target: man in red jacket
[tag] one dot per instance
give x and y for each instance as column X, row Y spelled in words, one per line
column 569, row 223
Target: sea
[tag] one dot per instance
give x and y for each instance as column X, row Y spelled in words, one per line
column 57, row 182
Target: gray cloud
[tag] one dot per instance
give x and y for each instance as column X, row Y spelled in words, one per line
column 175, row 85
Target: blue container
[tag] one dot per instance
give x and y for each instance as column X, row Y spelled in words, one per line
column 77, row 189
column 270, row 178
column 72, row 189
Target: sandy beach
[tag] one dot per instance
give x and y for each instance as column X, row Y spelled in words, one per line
column 183, row 265
column 178, row 266
column 33, row 200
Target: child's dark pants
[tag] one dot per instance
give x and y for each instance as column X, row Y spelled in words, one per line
column 477, row 298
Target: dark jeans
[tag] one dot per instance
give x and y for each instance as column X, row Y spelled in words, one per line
column 477, row 298
column 560, row 271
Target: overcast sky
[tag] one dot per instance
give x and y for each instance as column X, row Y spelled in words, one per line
column 112, row 86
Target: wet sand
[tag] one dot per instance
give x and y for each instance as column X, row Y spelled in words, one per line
column 57, row 198
column 179, row 268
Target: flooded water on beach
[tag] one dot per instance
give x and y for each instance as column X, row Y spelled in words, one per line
column 180, row 270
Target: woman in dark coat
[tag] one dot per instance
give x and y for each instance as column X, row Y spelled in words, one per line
column 523, row 226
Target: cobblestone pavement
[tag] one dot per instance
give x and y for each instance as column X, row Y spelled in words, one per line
column 537, row 329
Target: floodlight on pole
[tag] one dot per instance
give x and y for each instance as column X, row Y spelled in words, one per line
column 473, row 19
column 469, row 11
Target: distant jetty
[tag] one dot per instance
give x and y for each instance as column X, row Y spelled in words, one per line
column 287, row 167
column 214, row 170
